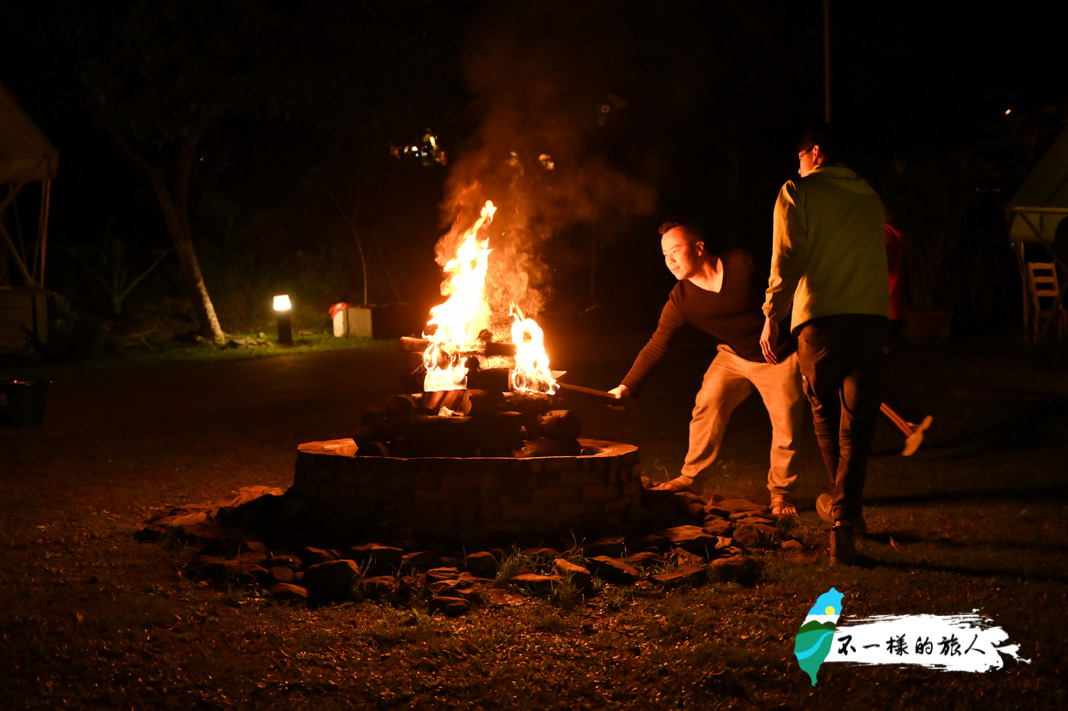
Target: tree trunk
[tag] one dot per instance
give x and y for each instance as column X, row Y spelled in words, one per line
column 351, row 221
column 175, row 206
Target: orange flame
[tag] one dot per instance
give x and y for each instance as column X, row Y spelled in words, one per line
column 464, row 314
column 531, row 372
column 458, row 323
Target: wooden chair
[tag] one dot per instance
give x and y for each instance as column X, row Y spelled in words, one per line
column 1046, row 303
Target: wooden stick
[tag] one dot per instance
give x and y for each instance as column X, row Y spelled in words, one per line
column 897, row 419
column 588, row 391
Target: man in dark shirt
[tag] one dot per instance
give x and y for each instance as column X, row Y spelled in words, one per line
column 721, row 295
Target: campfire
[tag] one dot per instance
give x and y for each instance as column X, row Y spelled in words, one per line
column 481, row 396
column 462, row 326
column 477, row 442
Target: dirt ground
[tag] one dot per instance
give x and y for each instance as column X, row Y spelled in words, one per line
column 119, row 443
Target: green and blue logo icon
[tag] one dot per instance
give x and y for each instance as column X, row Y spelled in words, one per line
column 816, row 636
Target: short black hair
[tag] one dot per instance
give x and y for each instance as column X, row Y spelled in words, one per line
column 697, row 231
column 839, row 142
column 819, row 134
column 672, row 223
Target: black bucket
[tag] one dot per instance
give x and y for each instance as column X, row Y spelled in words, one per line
column 22, row 402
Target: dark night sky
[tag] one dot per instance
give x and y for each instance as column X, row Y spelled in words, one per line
column 913, row 77
column 714, row 92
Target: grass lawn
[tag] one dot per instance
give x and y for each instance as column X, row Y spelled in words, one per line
column 91, row 618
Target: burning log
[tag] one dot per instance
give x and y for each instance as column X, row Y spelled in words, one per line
column 494, row 424
column 493, row 348
column 529, row 402
column 401, row 406
column 555, row 425
column 398, row 406
column 489, row 379
column 432, row 436
column 452, row 400
column 488, row 348
column 414, row 345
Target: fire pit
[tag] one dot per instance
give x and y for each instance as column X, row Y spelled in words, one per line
column 510, row 463
column 483, row 449
column 471, row 498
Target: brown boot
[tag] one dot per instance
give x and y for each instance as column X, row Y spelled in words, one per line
column 843, row 548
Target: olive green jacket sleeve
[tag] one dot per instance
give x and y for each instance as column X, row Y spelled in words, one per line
column 789, row 238
column 828, row 249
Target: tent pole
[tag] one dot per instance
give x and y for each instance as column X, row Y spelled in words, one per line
column 18, row 257
column 42, row 227
column 1025, row 282
column 13, row 190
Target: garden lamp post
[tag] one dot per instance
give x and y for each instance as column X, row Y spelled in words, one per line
column 281, row 310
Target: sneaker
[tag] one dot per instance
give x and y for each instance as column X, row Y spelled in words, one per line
column 843, row 546
column 823, row 508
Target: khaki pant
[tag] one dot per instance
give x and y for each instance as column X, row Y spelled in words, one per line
column 729, row 380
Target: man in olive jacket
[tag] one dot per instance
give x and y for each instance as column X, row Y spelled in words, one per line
column 829, row 273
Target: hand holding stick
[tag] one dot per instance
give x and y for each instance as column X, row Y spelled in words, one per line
column 619, row 397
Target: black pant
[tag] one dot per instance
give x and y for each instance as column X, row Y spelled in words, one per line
column 841, row 360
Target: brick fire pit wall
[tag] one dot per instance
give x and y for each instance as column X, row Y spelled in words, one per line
column 471, row 497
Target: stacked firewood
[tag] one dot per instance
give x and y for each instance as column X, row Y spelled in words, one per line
column 469, row 423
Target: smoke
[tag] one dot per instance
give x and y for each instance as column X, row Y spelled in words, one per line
column 544, row 103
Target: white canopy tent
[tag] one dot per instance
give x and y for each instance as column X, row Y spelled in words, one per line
column 27, row 158
column 1037, row 217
